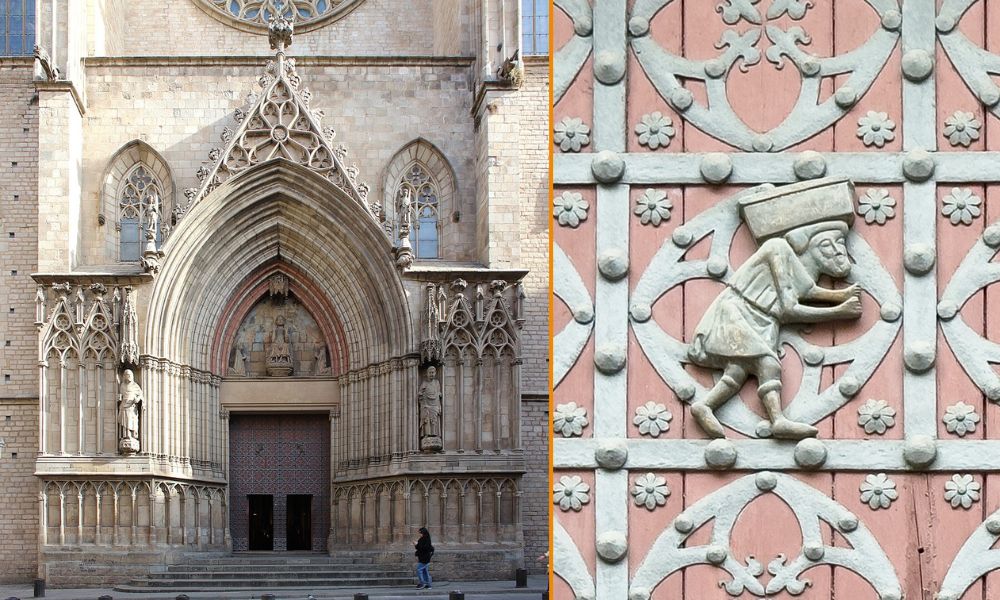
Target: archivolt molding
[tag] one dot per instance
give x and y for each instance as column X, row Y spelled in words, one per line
column 670, row 553
column 976, row 66
column 278, row 209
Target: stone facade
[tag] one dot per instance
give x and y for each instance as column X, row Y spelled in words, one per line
column 142, row 233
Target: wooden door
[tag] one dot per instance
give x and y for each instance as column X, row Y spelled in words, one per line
column 665, row 111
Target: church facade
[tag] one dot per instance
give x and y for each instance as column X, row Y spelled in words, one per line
column 276, row 278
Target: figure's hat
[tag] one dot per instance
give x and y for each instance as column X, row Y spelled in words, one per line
column 778, row 210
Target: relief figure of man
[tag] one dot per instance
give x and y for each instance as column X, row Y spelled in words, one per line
column 777, row 285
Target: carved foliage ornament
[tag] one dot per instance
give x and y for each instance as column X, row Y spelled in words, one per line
column 254, row 15
column 280, row 124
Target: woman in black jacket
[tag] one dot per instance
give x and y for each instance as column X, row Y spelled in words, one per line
column 425, row 550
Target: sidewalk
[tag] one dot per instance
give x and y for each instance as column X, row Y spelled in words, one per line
column 474, row 590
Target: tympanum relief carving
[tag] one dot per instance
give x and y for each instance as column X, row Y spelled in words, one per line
column 278, row 338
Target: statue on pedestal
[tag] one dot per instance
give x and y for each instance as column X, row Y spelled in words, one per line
column 801, row 231
column 429, row 400
column 279, row 358
column 129, row 407
column 239, row 366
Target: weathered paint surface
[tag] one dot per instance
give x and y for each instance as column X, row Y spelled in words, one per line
column 760, row 83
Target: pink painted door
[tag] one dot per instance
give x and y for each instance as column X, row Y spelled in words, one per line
column 665, row 112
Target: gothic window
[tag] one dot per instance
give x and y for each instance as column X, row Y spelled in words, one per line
column 534, row 27
column 139, row 208
column 250, row 14
column 419, row 190
column 17, row 36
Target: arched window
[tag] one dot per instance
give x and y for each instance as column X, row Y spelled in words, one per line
column 418, row 190
column 138, row 190
column 140, row 207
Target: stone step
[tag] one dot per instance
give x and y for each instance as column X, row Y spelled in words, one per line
column 331, row 573
column 282, row 567
column 268, row 582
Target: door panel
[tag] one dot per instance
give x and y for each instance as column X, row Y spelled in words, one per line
column 896, row 495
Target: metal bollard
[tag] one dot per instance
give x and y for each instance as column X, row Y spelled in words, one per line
column 456, row 596
column 520, row 578
column 360, row 596
column 39, row 588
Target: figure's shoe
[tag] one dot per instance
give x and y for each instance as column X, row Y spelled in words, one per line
column 706, row 419
column 791, row 430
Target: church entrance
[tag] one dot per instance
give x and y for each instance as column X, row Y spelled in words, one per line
column 279, row 480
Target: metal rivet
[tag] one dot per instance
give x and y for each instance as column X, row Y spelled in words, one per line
column 919, row 356
column 848, row 523
column 613, row 264
column 813, row 552
column 716, row 167
column 681, row 99
column 682, row 237
column 845, row 97
column 810, row 165
column 684, row 391
column 947, row 310
column 720, row 454
column 918, row 165
column 612, row 546
column 849, row 386
column 640, row 312
column 638, row 26
column 810, row 453
column 918, row 258
column 715, row 68
column 716, row 554
column 945, row 23
column 607, row 166
column 991, row 236
column 891, row 20
column 683, row 524
column 917, row 64
column 609, row 67
column 610, row 358
column 766, row 481
column 762, row 143
column 717, row 267
column 611, row 454
column 919, row 450
column 890, row 311
column 583, row 315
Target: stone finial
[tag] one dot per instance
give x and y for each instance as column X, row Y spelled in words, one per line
column 279, row 33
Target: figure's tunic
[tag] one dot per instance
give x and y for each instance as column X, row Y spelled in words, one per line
column 743, row 322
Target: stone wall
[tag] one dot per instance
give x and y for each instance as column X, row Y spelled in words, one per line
column 18, row 489
column 535, row 483
column 181, row 107
column 18, row 230
column 18, row 339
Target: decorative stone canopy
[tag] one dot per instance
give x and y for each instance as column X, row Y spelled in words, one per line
column 279, row 124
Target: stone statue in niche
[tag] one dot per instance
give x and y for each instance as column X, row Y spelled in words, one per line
column 801, row 232
column 129, row 407
column 279, row 358
column 430, row 412
column 239, row 366
column 321, row 364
